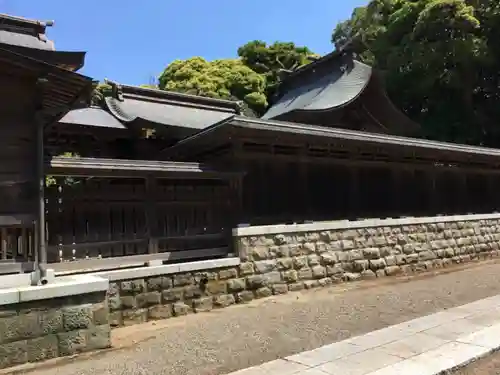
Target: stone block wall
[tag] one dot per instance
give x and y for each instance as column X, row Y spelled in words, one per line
column 138, row 300
column 44, row 329
column 347, row 251
column 279, row 259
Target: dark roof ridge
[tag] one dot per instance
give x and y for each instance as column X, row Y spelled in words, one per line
column 174, row 97
column 8, row 21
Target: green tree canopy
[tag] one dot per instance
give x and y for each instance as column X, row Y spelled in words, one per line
column 225, row 79
column 274, row 59
column 440, row 60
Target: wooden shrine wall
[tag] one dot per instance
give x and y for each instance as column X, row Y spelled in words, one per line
column 114, row 217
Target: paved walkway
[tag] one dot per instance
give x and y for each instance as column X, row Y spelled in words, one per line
column 423, row 346
column 239, row 337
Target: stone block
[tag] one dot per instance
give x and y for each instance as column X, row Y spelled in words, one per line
column 115, row 319
column 279, row 289
column 300, row 262
column 77, row 317
column 265, row 266
column 14, row 353
column 193, row 291
column 42, row 348
column 290, row 276
column 259, row 253
column 354, row 255
column 282, row 251
column 51, row 321
column 246, row 268
column 321, row 247
column 426, row 255
column 98, row 337
column 295, row 250
column 236, row 285
column 100, row 314
column 313, row 260
column 73, row 342
column 148, row 299
column 263, row 292
column 160, row 312
column 203, row 304
column 229, row 273
column 224, row 300
column 309, row 247
column 273, row 277
column 310, row 284
column 128, row 302
column 390, row 260
column 244, row 296
column 295, row 287
column 305, row 274
column 172, row 295
column 318, row 272
column 133, row 286
column 412, row 258
column 376, row 264
column 329, row 258
column 360, row 265
column 135, row 316
column 392, row 270
column 114, row 302
column 183, row 279
column 180, row 309
column 216, row 287
column 284, row 264
column 371, row 253
column 335, row 269
column 346, row 244
column 19, row 327
column 256, row 281
column 159, row 283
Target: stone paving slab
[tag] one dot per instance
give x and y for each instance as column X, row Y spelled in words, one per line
column 422, row 346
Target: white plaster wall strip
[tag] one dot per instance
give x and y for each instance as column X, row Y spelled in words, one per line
column 142, row 272
column 63, row 287
column 358, row 224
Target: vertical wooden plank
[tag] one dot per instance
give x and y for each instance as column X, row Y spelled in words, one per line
column 150, row 214
column 3, row 233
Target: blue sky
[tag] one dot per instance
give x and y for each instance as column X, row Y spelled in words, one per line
column 131, row 41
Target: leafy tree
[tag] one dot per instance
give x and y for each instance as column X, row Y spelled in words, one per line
column 440, row 60
column 226, row 79
column 101, row 90
column 274, row 60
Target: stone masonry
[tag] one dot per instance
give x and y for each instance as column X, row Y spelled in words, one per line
column 45, row 329
column 281, row 262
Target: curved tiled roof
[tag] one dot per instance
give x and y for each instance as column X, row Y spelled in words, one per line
column 93, row 116
column 315, row 93
column 333, row 90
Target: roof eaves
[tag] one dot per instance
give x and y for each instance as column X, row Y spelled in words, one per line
column 177, row 97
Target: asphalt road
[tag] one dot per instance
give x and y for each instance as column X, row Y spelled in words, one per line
column 238, row 337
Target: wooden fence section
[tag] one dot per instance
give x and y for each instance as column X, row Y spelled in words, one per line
column 169, row 219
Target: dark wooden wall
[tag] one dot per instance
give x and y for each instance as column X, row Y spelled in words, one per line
column 287, row 191
column 18, row 146
column 115, row 217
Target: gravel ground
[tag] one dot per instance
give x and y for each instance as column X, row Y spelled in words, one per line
column 486, row 366
column 241, row 336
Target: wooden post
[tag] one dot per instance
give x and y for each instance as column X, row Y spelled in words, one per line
column 4, row 242
column 353, row 196
column 150, row 213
